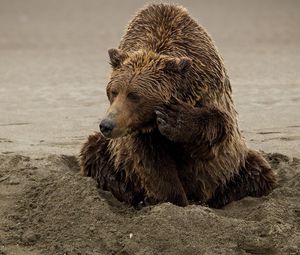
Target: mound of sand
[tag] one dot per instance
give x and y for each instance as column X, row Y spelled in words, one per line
column 48, row 208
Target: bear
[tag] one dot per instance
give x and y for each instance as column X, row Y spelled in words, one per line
column 171, row 132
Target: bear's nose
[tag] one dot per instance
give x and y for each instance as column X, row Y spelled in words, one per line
column 106, row 126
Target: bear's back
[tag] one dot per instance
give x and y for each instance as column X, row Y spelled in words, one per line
column 166, row 29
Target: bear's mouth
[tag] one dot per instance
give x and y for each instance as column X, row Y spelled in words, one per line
column 117, row 131
column 146, row 128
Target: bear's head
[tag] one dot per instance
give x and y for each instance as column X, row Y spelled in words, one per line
column 140, row 82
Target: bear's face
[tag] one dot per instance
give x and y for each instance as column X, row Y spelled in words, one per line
column 139, row 84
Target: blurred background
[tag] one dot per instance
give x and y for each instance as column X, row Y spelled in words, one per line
column 54, row 68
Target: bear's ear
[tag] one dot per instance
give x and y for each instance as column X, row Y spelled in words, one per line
column 178, row 65
column 116, row 57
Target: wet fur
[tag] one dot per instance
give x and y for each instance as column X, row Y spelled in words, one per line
column 194, row 151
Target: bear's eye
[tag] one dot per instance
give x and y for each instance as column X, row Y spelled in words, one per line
column 113, row 93
column 133, row 96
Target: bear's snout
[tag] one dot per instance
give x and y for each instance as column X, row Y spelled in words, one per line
column 106, row 126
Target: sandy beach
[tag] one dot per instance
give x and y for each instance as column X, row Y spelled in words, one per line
column 53, row 73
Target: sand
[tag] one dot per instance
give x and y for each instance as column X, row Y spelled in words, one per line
column 53, row 73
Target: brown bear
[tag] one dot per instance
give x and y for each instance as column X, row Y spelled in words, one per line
column 171, row 131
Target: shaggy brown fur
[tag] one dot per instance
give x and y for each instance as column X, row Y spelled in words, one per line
column 171, row 132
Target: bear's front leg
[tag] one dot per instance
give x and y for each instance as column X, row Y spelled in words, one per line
column 95, row 162
column 163, row 185
column 202, row 126
column 157, row 169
